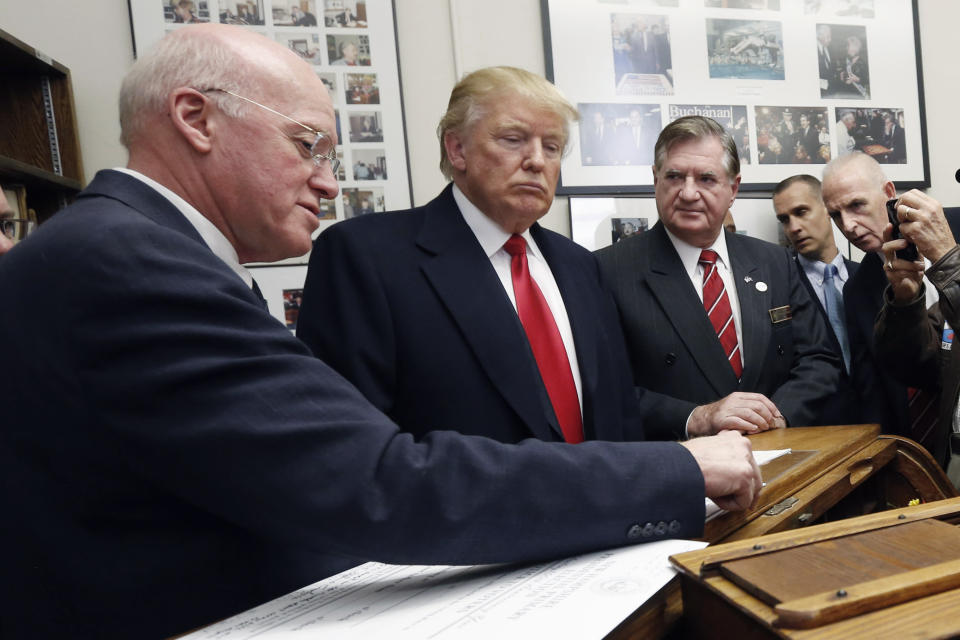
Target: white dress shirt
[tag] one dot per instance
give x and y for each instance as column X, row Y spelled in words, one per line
column 492, row 238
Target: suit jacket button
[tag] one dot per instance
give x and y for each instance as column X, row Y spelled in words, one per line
column 661, row 528
column 674, row 527
column 780, row 349
column 648, row 530
column 670, row 359
column 634, row 532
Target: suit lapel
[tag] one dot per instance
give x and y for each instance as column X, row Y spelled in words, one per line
column 675, row 293
column 466, row 283
column 754, row 307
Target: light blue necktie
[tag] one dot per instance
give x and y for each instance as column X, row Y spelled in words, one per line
column 833, row 301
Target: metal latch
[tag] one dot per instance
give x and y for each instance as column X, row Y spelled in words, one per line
column 781, row 506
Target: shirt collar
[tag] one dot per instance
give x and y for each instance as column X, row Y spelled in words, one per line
column 690, row 255
column 488, row 233
column 815, row 268
column 214, row 239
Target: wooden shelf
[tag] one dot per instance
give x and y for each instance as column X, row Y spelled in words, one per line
column 26, row 153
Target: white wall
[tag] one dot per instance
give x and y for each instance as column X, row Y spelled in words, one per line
column 439, row 40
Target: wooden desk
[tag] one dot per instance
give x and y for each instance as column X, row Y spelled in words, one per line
column 831, row 474
column 893, row 575
column 828, row 464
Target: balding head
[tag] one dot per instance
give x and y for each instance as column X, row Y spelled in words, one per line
column 202, row 56
column 855, row 191
column 229, row 120
column 856, row 162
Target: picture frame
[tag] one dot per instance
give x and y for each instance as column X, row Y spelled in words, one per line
column 364, row 84
column 279, row 286
column 755, row 66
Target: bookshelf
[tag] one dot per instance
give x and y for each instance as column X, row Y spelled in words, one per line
column 39, row 148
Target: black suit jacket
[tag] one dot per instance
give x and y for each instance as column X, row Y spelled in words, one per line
column 407, row 306
column 675, row 351
column 844, row 406
column 171, row 455
column 884, row 398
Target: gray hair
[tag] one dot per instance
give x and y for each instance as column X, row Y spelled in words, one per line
column 477, row 90
column 697, row 128
column 870, row 167
column 182, row 59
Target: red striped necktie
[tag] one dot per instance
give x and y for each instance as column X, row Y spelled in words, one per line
column 717, row 304
column 545, row 342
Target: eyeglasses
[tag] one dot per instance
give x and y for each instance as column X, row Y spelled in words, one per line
column 16, row 228
column 314, row 149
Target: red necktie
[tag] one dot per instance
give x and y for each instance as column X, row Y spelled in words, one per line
column 545, row 341
column 717, row 304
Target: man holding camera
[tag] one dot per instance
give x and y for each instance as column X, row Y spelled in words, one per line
column 856, row 191
column 912, row 341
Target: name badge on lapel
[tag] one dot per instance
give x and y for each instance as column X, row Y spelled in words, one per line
column 780, row 314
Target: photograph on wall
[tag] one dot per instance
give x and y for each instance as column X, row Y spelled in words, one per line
column 840, row 8
column 735, row 57
column 877, row 132
column 745, row 49
column 304, row 44
column 351, row 14
column 329, row 81
column 336, row 118
column 294, row 13
column 365, row 126
column 369, row 164
column 361, row 88
column 641, row 54
column 758, row 5
column 242, row 12
column 622, row 228
column 350, row 51
column 360, row 202
column 292, row 299
column 328, row 209
column 843, row 61
column 186, row 11
column 792, row 135
column 732, row 117
column 618, row 134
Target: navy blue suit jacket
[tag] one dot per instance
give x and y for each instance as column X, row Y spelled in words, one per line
column 407, row 306
column 844, row 406
column 674, row 349
column 170, row 454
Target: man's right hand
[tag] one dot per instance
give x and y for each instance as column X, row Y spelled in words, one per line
column 739, row 411
column 905, row 277
column 730, row 474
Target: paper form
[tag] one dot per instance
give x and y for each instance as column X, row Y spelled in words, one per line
column 582, row 597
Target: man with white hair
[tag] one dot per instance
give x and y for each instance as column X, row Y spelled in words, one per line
column 171, row 455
